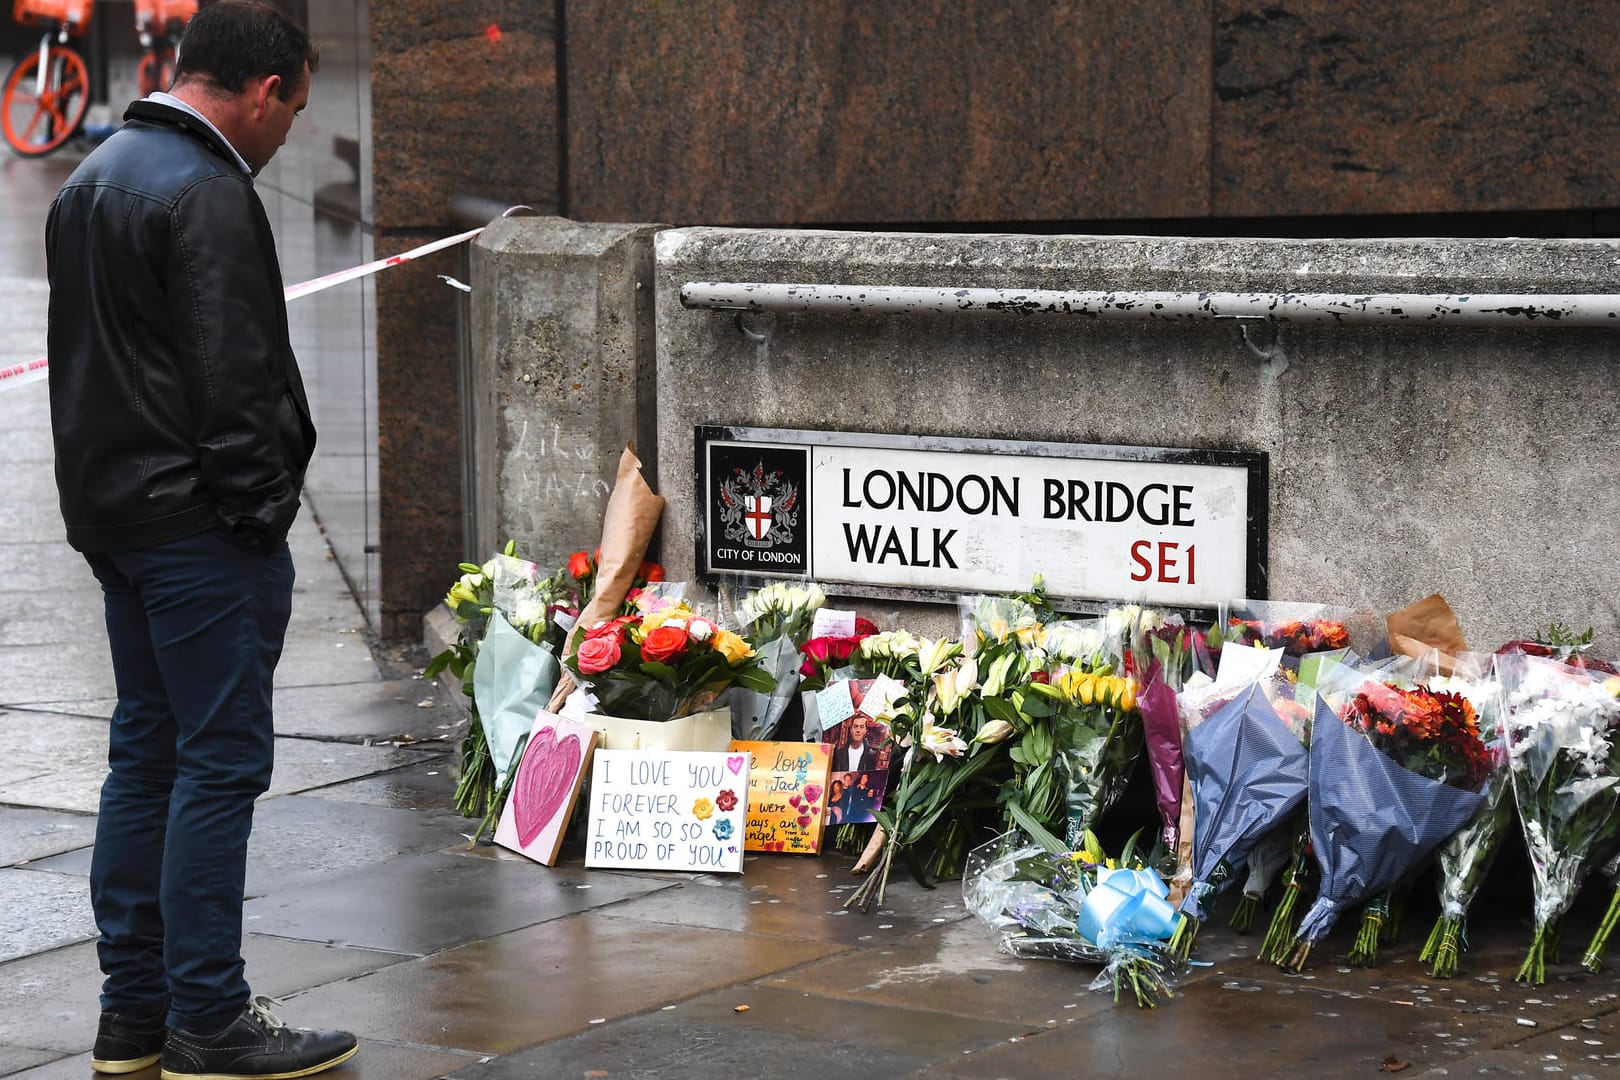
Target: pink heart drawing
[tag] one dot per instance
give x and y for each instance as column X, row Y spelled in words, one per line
column 804, row 821
column 545, row 777
column 735, row 763
column 794, row 801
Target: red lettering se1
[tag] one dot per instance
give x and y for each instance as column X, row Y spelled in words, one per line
column 1168, row 564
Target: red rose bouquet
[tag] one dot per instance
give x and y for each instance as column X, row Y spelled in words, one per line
column 665, row 663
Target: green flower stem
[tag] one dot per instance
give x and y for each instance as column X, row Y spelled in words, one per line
column 1284, row 923
column 1534, row 968
column 1593, row 960
column 1182, row 938
column 1145, row 977
column 1445, row 944
column 1364, row 953
column 1297, row 957
column 1243, row 915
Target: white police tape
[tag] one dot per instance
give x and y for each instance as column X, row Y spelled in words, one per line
column 22, row 374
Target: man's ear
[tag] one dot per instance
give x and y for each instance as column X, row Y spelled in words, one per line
column 268, row 88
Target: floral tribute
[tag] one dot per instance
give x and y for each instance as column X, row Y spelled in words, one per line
column 1432, row 733
column 663, row 661
column 1296, row 637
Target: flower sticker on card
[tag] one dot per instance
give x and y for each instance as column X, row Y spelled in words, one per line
column 834, row 705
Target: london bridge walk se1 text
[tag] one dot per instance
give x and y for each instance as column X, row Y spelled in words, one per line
column 934, row 492
column 972, row 494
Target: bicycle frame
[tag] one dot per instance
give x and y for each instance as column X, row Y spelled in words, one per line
column 45, row 67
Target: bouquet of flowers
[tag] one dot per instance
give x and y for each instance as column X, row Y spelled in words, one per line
column 1374, row 818
column 1248, row 773
column 775, row 620
column 1084, row 728
column 1297, row 629
column 1047, row 902
column 1465, row 860
column 503, row 610
column 1564, row 765
column 1173, row 650
column 663, row 662
column 937, row 765
column 1433, row 734
column 824, row 655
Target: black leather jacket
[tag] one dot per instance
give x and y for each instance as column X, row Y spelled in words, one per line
column 176, row 402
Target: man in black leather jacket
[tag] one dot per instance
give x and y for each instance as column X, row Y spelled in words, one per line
column 182, row 434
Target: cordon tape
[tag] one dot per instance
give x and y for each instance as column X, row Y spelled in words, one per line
column 22, row 374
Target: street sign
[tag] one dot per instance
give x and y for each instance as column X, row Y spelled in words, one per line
column 927, row 517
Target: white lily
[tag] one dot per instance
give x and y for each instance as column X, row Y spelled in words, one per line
column 953, row 685
column 995, row 680
column 935, row 653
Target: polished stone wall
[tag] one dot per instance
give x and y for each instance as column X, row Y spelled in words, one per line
column 317, row 191
column 940, row 111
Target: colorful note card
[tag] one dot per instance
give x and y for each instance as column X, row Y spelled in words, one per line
column 834, row 704
column 547, row 784
column 668, row 810
column 787, row 795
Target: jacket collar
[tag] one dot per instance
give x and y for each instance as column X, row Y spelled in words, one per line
column 155, row 112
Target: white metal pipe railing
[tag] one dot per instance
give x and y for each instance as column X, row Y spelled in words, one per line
column 1475, row 309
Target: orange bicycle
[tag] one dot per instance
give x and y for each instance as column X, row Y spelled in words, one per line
column 44, row 98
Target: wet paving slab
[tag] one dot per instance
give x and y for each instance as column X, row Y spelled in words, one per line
column 70, row 669
column 375, row 1061
column 27, row 834
column 299, row 839
column 398, row 710
column 792, row 897
column 427, row 785
column 49, row 1001
column 782, row 1035
column 429, row 903
column 545, row 982
column 56, row 761
column 42, row 911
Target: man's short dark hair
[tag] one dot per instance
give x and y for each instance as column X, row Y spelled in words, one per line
column 229, row 42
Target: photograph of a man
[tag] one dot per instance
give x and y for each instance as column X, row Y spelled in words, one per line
column 855, row 752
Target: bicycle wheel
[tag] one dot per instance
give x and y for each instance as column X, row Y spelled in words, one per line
column 34, row 124
column 157, row 69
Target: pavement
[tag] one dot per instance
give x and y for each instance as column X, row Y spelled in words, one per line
column 368, row 909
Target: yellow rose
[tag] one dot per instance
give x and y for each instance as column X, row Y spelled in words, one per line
column 732, row 647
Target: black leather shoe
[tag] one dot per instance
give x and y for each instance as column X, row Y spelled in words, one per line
column 124, row 1045
column 255, row 1045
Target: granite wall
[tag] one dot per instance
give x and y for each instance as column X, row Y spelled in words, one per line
column 941, row 111
column 464, row 100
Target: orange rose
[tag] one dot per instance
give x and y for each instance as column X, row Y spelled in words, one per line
column 579, row 565
column 665, row 643
column 651, row 572
column 596, row 655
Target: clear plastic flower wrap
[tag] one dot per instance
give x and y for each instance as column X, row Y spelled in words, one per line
column 1463, row 862
column 1564, row 764
column 1073, row 906
column 776, row 620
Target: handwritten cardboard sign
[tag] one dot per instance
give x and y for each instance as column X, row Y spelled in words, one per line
column 667, row 810
column 547, row 784
column 787, row 795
